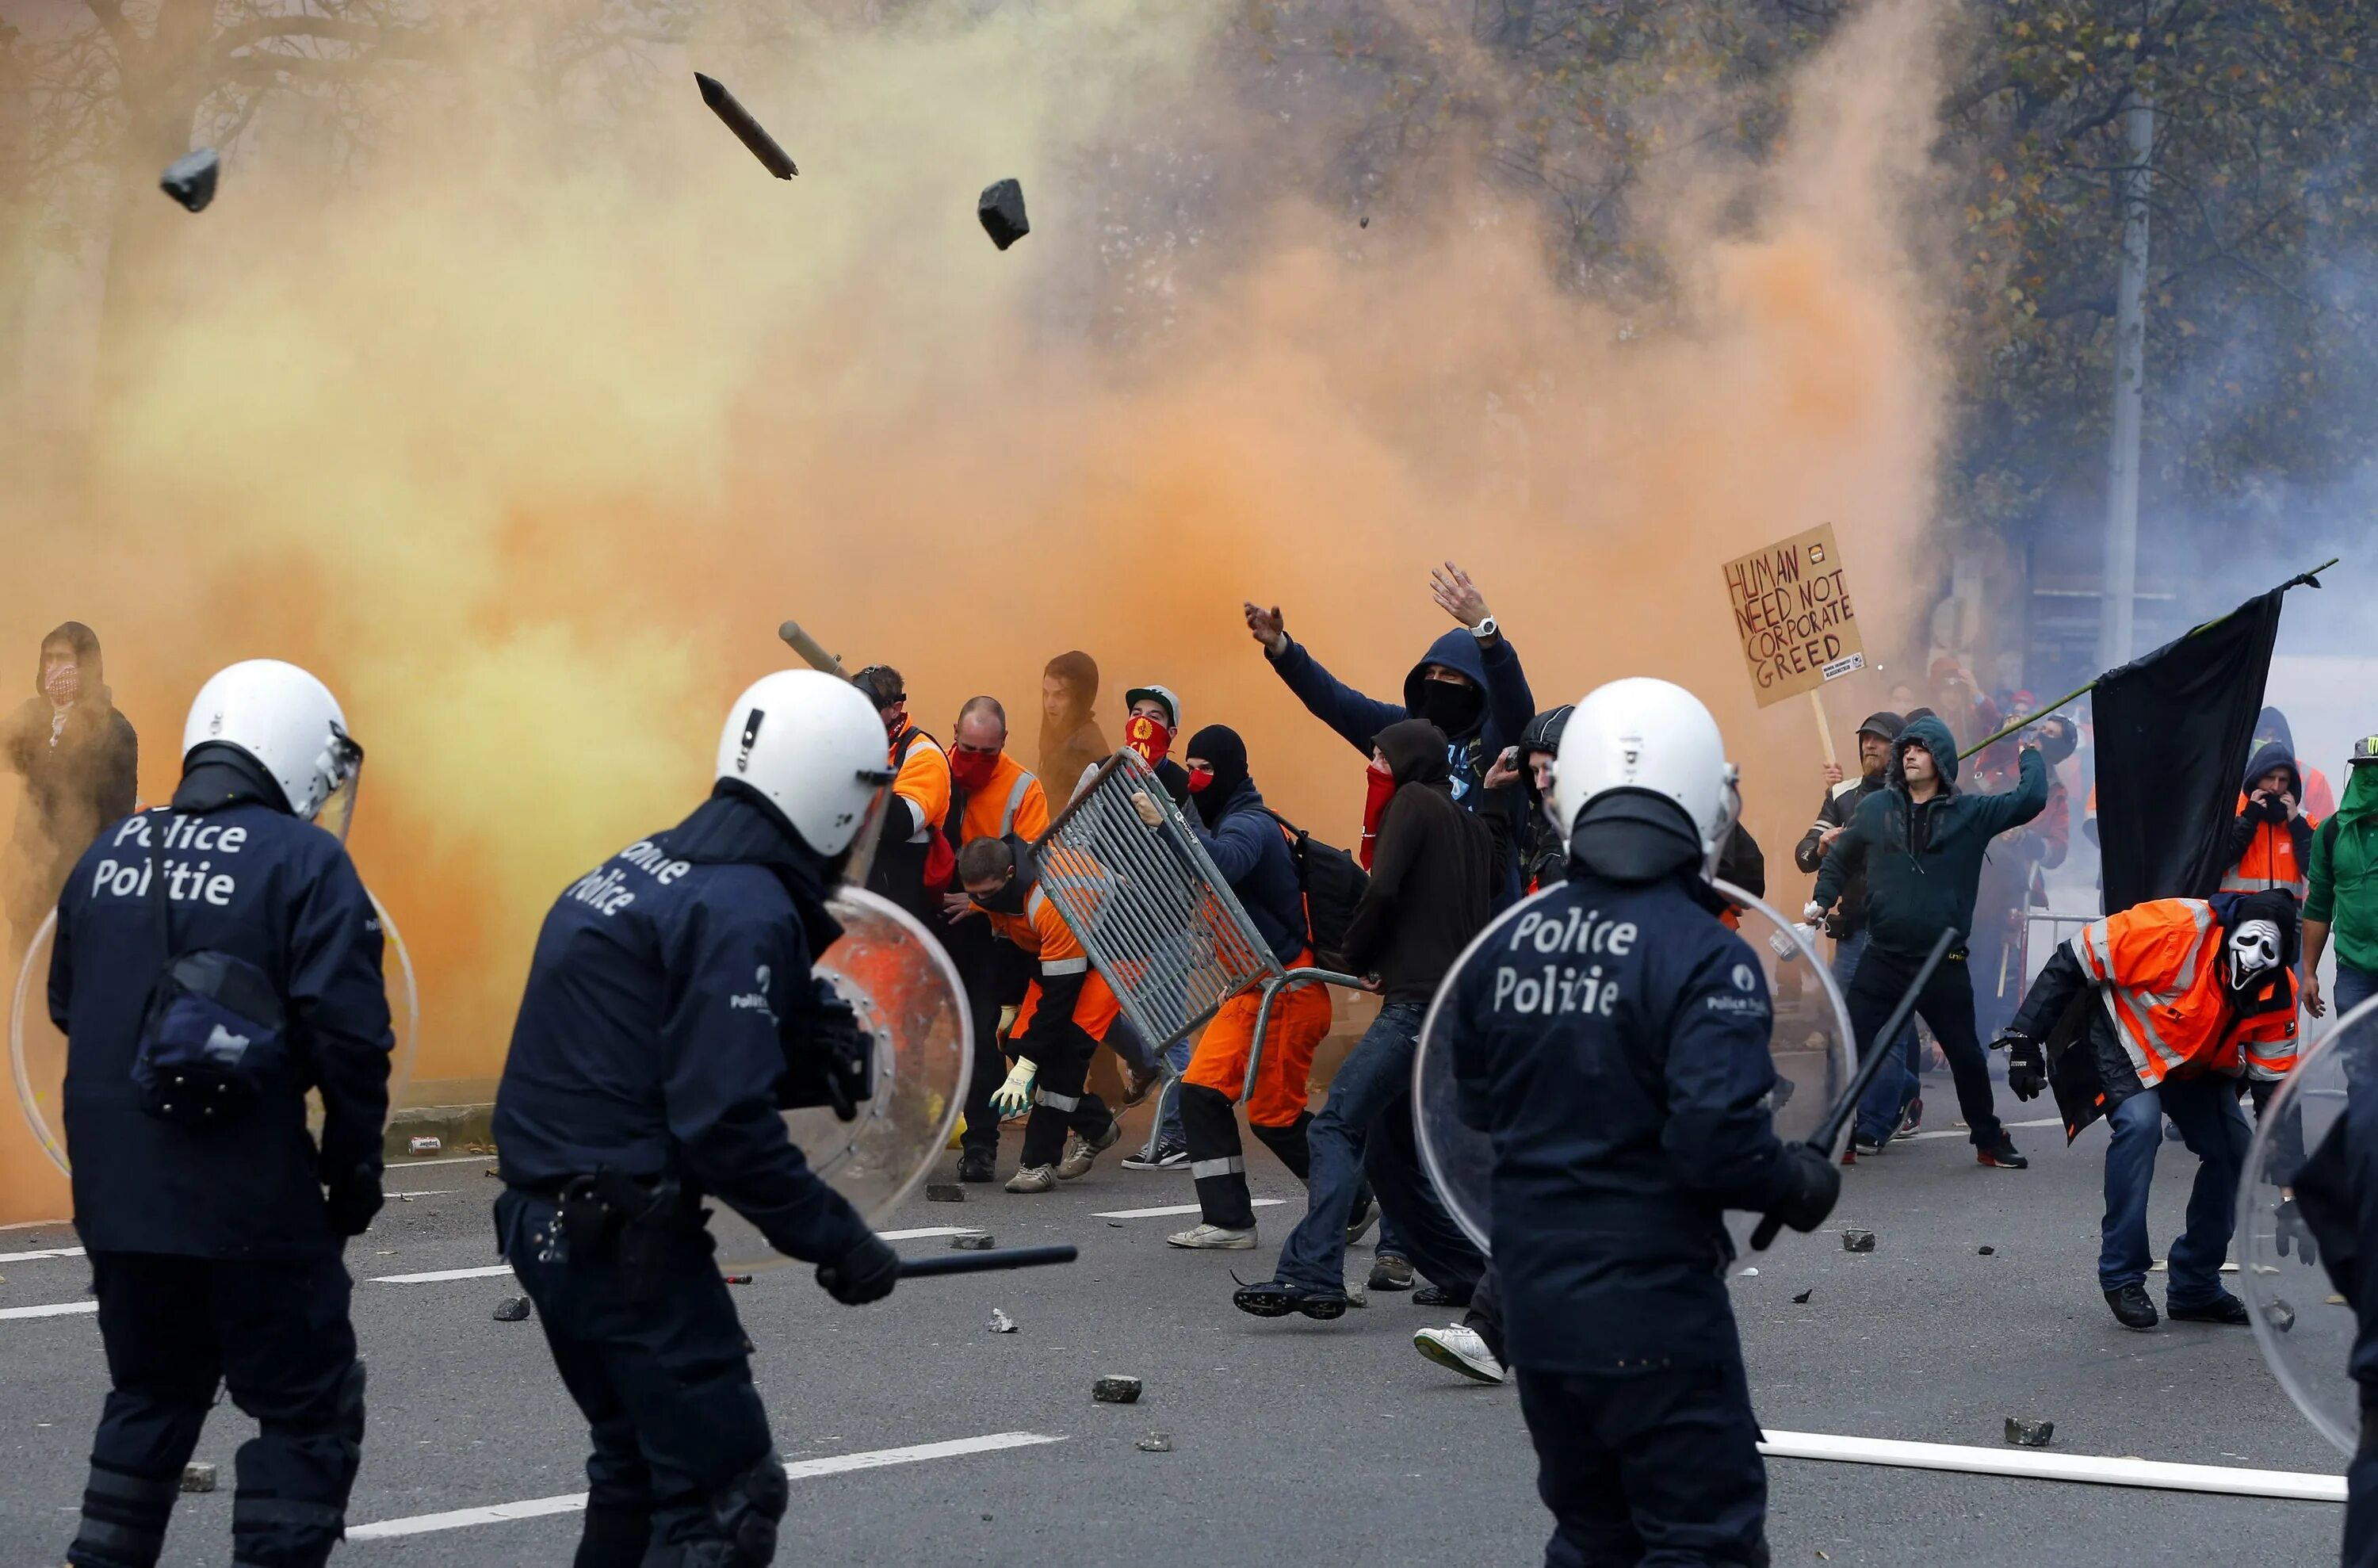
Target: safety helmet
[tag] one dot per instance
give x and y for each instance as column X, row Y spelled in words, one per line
column 1650, row 736
column 289, row 723
column 812, row 744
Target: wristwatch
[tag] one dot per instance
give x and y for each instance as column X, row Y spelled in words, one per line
column 1486, row 629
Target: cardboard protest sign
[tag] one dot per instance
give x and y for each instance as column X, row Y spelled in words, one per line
column 1792, row 610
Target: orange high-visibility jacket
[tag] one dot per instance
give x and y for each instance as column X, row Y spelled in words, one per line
column 1012, row 802
column 1042, row 932
column 2270, row 861
column 920, row 775
column 2157, row 967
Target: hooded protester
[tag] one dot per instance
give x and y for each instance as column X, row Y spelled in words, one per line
column 1250, row 849
column 1427, row 897
column 1468, row 684
column 2343, row 877
column 2157, row 1011
column 2270, row 844
column 1070, row 738
column 1920, row 843
column 79, row 762
column 2317, row 798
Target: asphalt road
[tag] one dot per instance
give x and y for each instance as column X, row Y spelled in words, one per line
column 1292, row 1441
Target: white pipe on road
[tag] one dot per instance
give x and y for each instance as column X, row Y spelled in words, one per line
column 2088, row 1469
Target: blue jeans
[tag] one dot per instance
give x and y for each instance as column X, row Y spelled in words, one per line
column 2354, row 987
column 1373, row 1080
column 2205, row 1111
column 1847, row 953
column 1167, row 1121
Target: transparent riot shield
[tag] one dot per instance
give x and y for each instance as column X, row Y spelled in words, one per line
column 2303, row 1325
column 1814, row 1049
column 907, row 994
column 37, row 1052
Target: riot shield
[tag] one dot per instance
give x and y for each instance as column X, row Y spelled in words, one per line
column 907, row 994
column 37, row 1052
column 1813, row 1047
column 2303, row 1325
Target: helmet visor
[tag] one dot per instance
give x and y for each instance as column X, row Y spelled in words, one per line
column 343, row 763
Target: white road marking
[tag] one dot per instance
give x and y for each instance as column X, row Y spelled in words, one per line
column 409, row 1165
column 29, row 1257
column 496, row 1514
column 438, row 1276
column 1175, row 1208
column 59, row 1310
column 2033, row 1465
column 1967, row 1133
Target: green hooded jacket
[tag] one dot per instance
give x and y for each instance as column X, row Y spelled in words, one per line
column 1922, row 863
column 2344, row 873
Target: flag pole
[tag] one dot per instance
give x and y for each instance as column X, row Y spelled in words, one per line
column 2299, row 579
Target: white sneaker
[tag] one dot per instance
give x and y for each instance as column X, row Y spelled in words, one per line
column 1080, row 1151
column 1034, row 1178
column 1460, row 1349
column 1215, row 1238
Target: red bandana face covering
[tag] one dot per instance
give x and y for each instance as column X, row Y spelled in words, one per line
column 972, row 770
column 1149, row 737
column 1200, row 780
column 1382, row 789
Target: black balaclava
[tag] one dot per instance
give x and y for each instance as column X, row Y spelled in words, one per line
column 1452, row 708
column 1220, row 748
column 1010, row 896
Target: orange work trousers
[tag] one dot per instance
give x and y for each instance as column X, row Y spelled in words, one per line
column 1299, row 1018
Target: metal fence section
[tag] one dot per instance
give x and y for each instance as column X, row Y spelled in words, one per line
column 1148, row 905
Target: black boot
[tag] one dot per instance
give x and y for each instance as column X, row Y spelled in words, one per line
column 977, row 1163
column 2133, row 1308
column 1278, row 1299
column 1998, row 1149
column 2223, row 1308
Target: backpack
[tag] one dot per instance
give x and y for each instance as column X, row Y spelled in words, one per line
column 1333, row 883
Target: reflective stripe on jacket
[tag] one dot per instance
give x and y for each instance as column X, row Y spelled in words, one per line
column 2158, row 967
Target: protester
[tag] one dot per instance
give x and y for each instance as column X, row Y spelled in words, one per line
column 913, row 860
column 1070, row 741
column 2194, row 992
column 2342, row 897
column 1152, row 726
column 1468, row 684
column 2011, row 880
column 1909, row 901
column 1250, row 851
column 2318, row 800
column 2270, row 844
column 1065, row 1014
column 1623, row 1085
column 1431, row 883
column 991, row 796
column 79, row 761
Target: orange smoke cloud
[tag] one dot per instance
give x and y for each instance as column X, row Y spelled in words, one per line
column 528, row 463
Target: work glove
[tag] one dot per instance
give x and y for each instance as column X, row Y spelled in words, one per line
column 352, row 1200
column 867, row 1272
column 1015, row 1097
column 2027, row 1064
column 2291, row 1229
column 1807, row 1184
column 1811, row 912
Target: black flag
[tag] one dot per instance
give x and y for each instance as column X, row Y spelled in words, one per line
column 2173, row 732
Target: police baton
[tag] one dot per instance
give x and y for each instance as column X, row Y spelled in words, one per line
column 981, row 1263
column 1828, row 1131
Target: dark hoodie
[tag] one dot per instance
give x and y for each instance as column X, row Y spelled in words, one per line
column 1923, row 863
column 1497, row 715
column 1432, row 879
column 1246, row 845
column 2317, row 798
column 78, row 778
column 2254, row 820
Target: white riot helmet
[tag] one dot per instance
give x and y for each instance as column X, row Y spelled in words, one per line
column 1649, row 736
column 290, row 724
column 813, row 746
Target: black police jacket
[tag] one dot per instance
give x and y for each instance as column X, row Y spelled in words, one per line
column 649, row 1038
column 253, row 881
column 1613, row 1041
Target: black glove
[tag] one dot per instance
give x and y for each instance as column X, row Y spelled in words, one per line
column 2027, row 1064
column 867, row 1272
column 2291, row 1227
column 352, row 1200
column 1807, row 1184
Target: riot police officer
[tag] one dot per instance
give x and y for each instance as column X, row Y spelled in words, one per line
column 1612, row 1036
column 215, row 960
column 670, row 1014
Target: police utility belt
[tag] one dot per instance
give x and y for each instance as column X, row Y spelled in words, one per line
column 610, row 1214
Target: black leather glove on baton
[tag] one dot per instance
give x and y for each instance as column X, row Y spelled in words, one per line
column 867, row 1272
column 1807, row 1184
column 352, row 1202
